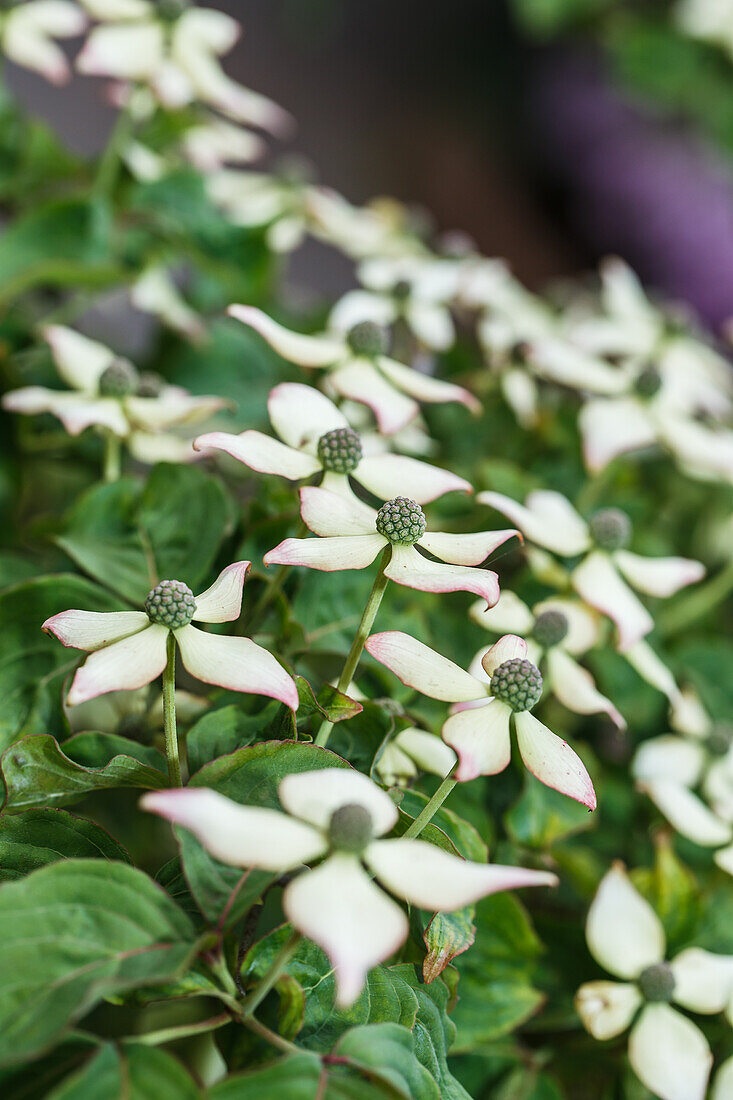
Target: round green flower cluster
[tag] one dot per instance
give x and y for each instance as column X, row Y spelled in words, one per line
column 171, row 604
column 119, row 379
column 518, row 683
column 369, row 339
column 401, row 520
column 351, row 828
column 657, row 982
column 610, row 529
column 550, row 627
column 150, row 384
column 340, row 450
column 648, row 382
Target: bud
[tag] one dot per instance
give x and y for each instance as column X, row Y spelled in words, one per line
column 171, row 604
column 610, row 529
column 402, row 290
column 368, row 338
column 648, row 382
column 657, row 983
column 401, row 520
column 550, row 628
column 150, row 384
column 518, row 683
column 340, row 450
column 119, row 379
column 720, row 739
column 351, row 828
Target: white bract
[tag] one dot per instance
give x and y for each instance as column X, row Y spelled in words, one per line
column 358, row 368
column 379, row 229
column 481, row 736
column 338, row 816
column 131, row 713
column 710, row 20
column 128, row 648
column 411, row 752
column 557, row 630
column 155, row 292
column 667, row 1051
column 673, row 768
column 351, row 535
column 176, row 55
column 549, row 520
column 315, row 438
column 277, row 201
column 27, row 33
column 107, row 392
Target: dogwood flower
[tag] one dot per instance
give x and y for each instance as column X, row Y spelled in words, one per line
column 317, row 439
column 667, row 1051
column 156, row 293
column 108, row 392
column 416, row 289
column 131, row 713
column 556, row 631
column 709, row 20
column 481, row 736
column 549, row 520
column 413, row 751
column 351, row 534
column 381, row 228
column 339, row 814
column 128, row 648
column 671, row 768
column 174, row 48
column 358, row 367
column 275, row 200
column 27, row 33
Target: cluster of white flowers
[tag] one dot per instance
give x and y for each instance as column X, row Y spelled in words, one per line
column 640, row 380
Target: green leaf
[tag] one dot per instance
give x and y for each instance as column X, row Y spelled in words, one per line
column 251, row 775
column 222, row 731
column 672, row 892
column 462, row 835
column 434, row 1031
column 447, row 935
column 217, row 887
column 386, row 1052
column 39, row 837
column 528, row 1084
column 33, row 664
column 542, row 816
column 37, row 772
column 74, row 933
column 132, row 1071
column 128, row 537
column 330, row 703
column 496, row 991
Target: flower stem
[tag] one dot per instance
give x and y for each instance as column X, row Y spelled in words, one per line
column 266, row 983
column 112, row 457
column 183, row 1031
column 276, row 584
column 431, row 808
column 109, row 163
column 696, row 604
column 357, row 646
column 169, row 713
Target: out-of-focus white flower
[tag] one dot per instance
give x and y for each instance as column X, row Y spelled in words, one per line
column 414, row 439
column 723, row 1082
column 671, row 769
column 358, row 368
column 107, row 392
column 557, row 630
column 155, row 292
column 711, row 20
column 351, row 534
column 275, row 200
column 667, row 1051
column 128, row 648
column 27, row 33
column 411, row 752
column 339, row 814
column 174, row 49
column 130, row 713
column 317, row 439
column 380, row 229
column 481, row 735
column 549, row 520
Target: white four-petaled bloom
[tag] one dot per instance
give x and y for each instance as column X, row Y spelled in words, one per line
column 106, row 391
column 672, row 768
column 549, row 520
column 128, row 648
column 318, row 439
column 481, row 736
column 341, row 815
column 352, row 534
column 557, row 630
column 411, row 752
column 175, row 50
column 274, row 201
column 359, row 368
column 27, row 33
column 667, row 1051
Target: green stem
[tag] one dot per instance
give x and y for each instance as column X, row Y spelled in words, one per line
column 594, row 488
column 276, row 584
column 109, row 163
column 432, row 807
column 270, row 1036
column 363, row 632
column 169, row 713
column 696, row 604
column 170, row 1034
column 112, row 457
column 266, row 983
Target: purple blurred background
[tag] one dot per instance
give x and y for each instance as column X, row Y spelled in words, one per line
column 446, row 105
